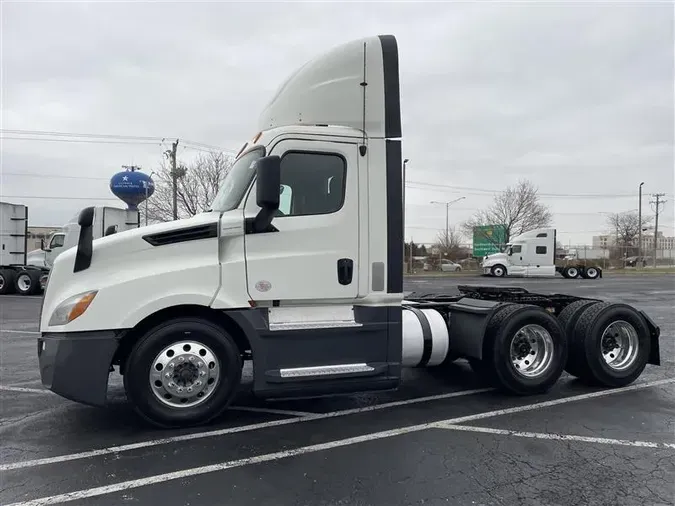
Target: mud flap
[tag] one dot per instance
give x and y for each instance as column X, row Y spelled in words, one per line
column 655, row 333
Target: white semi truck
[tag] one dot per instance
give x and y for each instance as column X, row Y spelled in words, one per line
column 25, row 272
column 532, row 254
column 298, row 266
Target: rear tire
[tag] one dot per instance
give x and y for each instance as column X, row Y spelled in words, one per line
column 204, row 364
column 568, row 318
column 6, row 281
column 591, row 273
column 27, row 282
column 571, row 272
column 525, row 350
column 611, row 345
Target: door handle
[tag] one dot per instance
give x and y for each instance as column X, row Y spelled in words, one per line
column 345, row 270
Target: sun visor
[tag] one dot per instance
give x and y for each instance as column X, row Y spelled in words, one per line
column 339, row 86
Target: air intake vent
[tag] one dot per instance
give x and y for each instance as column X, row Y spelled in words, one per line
column 208, row 231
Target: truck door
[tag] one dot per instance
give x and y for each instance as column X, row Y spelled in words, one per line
column 517, row 260
column 54, row 248
column 315, row 338
column 314, row 253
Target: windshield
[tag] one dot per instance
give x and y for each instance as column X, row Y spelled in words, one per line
column 237, row 181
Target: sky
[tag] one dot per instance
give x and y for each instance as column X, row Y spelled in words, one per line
column 577, row 97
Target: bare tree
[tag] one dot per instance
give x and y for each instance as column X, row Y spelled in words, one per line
column 450, row 244
column 625, row 227
column 198, row 184
column 517, row 208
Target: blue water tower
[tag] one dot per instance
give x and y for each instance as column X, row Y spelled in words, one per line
column 132, row 186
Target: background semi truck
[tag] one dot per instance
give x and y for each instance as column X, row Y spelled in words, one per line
column 532, row 254
column 25, row 272
column 308, row 287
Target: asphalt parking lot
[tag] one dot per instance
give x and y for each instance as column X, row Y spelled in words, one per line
column 440, row 439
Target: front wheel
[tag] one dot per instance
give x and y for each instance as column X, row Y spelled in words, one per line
column 182, row 373
column 498, row 271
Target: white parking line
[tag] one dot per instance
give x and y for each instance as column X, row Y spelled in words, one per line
column 185, row 473
column 229, row 430
column 557, row 437
column 25, row 390
column 12, row 331
column 272, row 411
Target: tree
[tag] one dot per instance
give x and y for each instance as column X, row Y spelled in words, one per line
column 449, row 245
column 517, row 208
column 198, row 183
column 625, row 227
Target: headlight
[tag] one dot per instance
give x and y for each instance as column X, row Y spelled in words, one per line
column 71, row 308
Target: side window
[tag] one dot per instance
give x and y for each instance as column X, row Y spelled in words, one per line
column 541, row 250
column 57, row 242
column 312, row 183
column 285, row 199
column 543, row 234
column 516, row 248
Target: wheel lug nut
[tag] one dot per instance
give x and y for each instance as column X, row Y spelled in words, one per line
column 167, row 375
column 181, row 359
column 179, row 389
column 192, row 359
column 200, row 364
column 202, row 373
column 198, row 383
column 171, row 364
column 172, row 384
column 189, row 389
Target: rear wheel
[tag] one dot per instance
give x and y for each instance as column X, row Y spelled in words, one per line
column 27, row 282
column 568, row 318
column 525, row 350
column 571, row 272
column 182, row 373
column 6, row 281
column 611, row 345
column 591, row 273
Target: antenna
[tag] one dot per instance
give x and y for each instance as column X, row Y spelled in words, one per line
column 364, row 83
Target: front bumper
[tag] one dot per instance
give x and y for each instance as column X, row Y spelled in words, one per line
column 76, row 365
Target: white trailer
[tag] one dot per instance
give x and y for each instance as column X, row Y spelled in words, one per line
column 532, row 254
column 298, row 266
column 26, row 272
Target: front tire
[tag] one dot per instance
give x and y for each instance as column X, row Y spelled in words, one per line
column 498, row 271
column 525, row 350
column 182, row 373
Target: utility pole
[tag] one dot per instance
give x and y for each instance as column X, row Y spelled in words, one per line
column 447, row 217
column 174, row 178
column 639, row 262
column 657, row 203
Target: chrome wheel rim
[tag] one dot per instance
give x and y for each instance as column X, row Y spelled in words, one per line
column 2, row 281
column 23, row 281
column 592, row 272
column 531, row 351
column 572, row 272
column 499, row 272
column 620, row 345
column 184, row 374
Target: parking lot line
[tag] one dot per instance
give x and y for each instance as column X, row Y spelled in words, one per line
column 229, row 430
column 12, row 331
column 271, row 411
column 25, row 390
column 186, row 473
column 557, row 437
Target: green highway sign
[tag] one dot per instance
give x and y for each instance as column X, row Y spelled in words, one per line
column 488, row 239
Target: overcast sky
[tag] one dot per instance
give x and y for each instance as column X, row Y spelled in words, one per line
column 577, row 97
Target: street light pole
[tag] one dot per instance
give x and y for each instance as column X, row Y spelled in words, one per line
column 639, row 261
column 447, row 215
column 146, row 199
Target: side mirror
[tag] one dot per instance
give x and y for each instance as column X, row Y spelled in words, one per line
column 86, row 217
column 268, row 182
column 42, row 245
column 510, row 252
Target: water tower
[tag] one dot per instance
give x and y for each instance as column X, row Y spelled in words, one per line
column 132, row 186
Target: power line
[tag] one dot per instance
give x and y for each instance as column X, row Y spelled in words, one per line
column 41, row 197
column 484, row 191
column 88, row 141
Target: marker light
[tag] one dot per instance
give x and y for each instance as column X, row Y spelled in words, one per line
column 71, row 308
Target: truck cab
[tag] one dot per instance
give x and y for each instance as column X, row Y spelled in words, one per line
column 44, row 257
column 531, row 254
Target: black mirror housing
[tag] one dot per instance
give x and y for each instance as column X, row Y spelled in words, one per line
column 86, row 217
column 268, row 182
